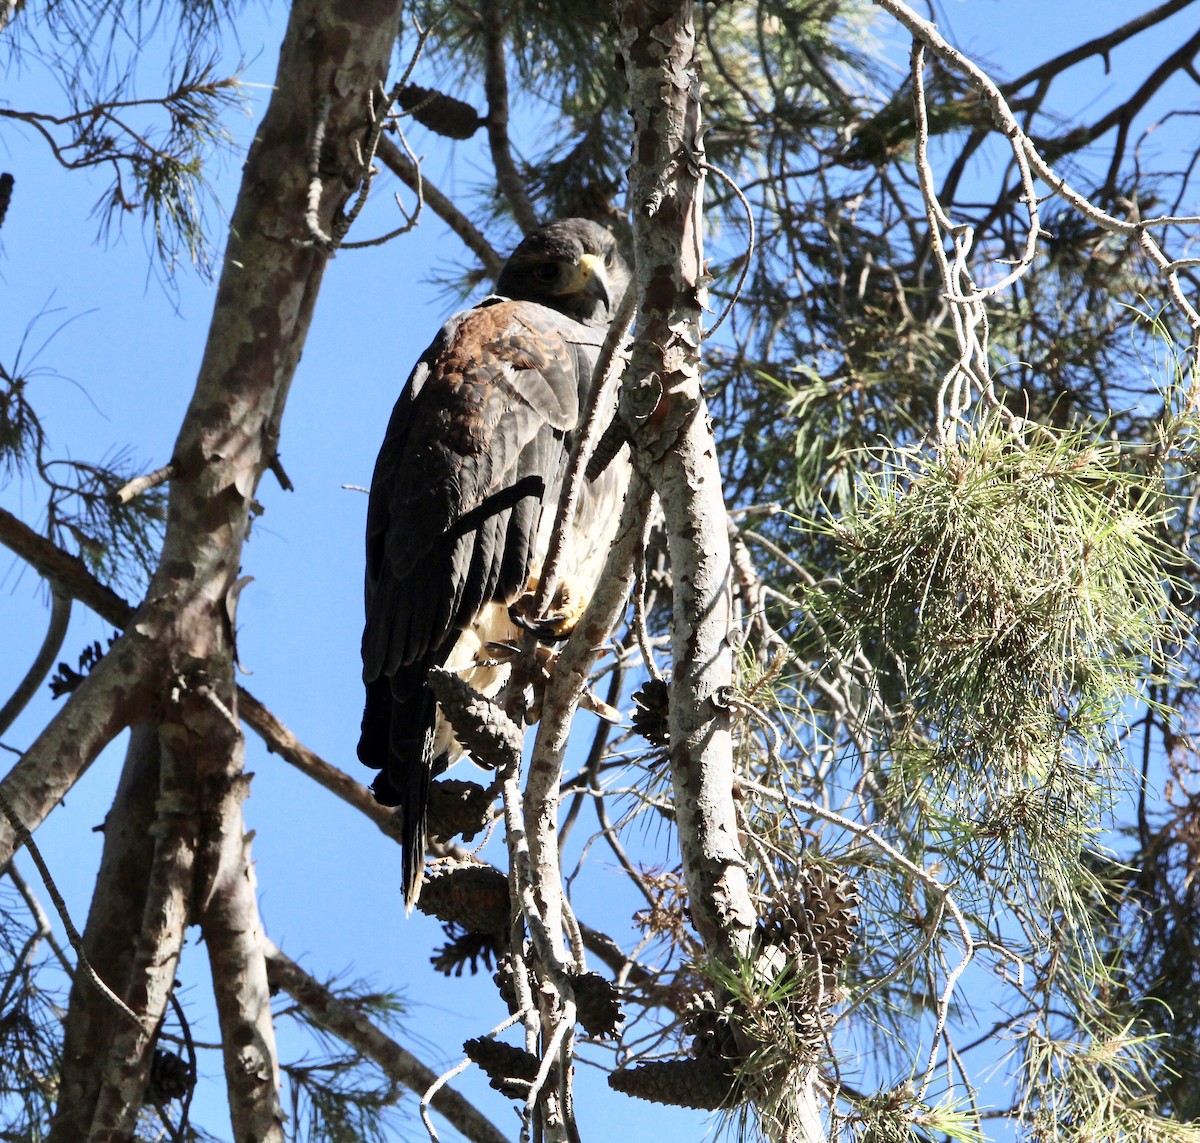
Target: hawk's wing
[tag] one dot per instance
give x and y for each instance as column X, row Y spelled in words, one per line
column 477, row 444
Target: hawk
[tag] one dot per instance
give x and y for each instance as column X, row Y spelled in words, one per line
column 463, row 501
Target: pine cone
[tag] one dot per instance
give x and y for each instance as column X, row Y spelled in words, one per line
column 818, row 916
column 471, row 895
column 706, row 1084
column 710, row 1028
column 457, row 809
column 510, row 1070
column 170, row 1077
column 440, row 112
column 464, row 948
column 480, row 725
column 505, row 983
column 650, row 718
column 598, row 1007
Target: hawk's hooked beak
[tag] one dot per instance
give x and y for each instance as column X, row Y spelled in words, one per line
column 595, row 278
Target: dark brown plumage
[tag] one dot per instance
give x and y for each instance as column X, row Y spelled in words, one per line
column 463, row 497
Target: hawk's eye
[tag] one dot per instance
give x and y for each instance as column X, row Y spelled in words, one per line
column 546, row 271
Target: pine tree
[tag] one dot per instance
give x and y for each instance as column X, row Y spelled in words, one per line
column 901, row 603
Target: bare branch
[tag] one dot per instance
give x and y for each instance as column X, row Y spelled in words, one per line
column 1025, row 152
column 68, row 572
column 135, row 488
column 1097, row 46
column 279, row 740
column 357, row 1031
column 56, row 632
column 409, row 173
column 495, row 86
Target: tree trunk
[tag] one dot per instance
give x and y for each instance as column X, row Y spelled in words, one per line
column 110, row 937
column 180, row 642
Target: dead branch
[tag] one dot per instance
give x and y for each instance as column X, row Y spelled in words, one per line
column 135, row 488
column 609, row 363
column 1026, row 153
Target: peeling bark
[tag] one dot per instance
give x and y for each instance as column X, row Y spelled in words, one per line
column 110, row 937
column 676, row 453
column 177, row 653
column 674, row 449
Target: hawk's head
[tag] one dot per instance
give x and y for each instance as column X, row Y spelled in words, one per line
column 572, row 266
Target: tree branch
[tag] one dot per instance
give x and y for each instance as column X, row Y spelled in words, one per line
column 228, row 913
column 676, row 454
column 1097, row 46
column 56, row 632
column 98, row 1051
column 116, row 693
column 407, row 172
column 279, row 740
column 356, row 1030
column 69, row 572
column 495, row 87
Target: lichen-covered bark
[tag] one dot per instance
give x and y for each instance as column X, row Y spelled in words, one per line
column 675, row 451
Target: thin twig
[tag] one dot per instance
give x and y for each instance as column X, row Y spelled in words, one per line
column 737, row 290
column 608, row 364
column 550, row 1055
column 408, row 172
column 1025, row 153
column 25, row 838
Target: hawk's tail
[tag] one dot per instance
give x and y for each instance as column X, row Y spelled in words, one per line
column 397, row 739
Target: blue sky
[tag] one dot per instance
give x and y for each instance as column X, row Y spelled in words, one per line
column 120, row 372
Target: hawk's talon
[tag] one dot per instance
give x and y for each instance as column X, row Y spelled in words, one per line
column 554, row 626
